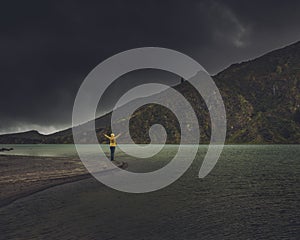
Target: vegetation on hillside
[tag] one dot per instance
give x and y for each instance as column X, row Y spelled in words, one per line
column 261, row 97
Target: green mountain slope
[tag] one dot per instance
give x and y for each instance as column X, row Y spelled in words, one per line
column 261, row 96
column 269, row 87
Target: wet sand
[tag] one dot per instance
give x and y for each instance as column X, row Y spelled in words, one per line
column 21, row 176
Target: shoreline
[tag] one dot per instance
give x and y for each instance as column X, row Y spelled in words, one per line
column 10, row 200
column 22, row 176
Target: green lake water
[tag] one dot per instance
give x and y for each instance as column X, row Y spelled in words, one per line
column 252, row 193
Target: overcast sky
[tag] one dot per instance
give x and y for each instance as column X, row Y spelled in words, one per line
column 48, row 47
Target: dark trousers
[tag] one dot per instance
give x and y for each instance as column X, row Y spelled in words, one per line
column 112, row 153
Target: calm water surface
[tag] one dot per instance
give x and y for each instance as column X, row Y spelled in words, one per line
column 252, row 193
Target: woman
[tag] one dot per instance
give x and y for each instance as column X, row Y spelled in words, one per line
column 112, row 144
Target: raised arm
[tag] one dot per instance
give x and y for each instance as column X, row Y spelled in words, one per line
column 118, row 135
column 106, row 136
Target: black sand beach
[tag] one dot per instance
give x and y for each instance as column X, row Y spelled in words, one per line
column 21, row 176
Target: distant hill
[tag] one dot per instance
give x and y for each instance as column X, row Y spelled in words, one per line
column 261, row 96
column 28, row 137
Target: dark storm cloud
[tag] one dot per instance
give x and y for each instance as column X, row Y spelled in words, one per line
column 48, row 47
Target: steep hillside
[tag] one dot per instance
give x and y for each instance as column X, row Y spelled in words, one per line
column 261, row 96
column 268, row 89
